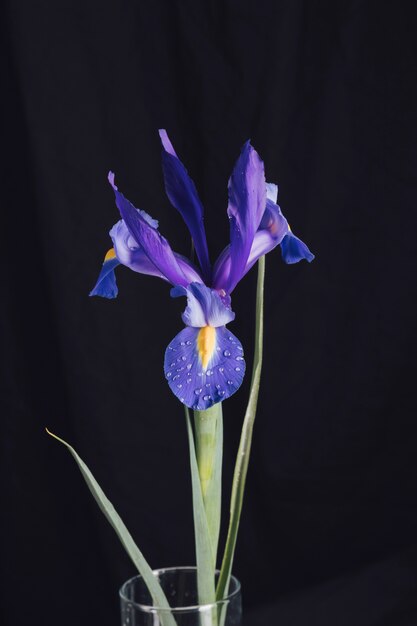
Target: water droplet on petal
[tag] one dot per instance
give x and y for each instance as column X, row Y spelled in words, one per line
column 240, row 358
column 226, row 353
column 179, row 369
column 221, row 369
column 189, row 366
column 206, row 398
column 188, row 343
column 230, row 382
column 222, row 393
column 197, row 391
column 209, row 372
column 240, row 348
column 208, row 384
column 172, row 364
column 218, row 386
column 237, row 369
column 169, row 374
column 179, row 386
column 183, row 358
column 189, row 380
column 182, row 343
column 176, row 377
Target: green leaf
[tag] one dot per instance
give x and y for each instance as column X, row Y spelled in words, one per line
column 158, row 597
column 242, row 461
column 205, row 568
column 208, row 426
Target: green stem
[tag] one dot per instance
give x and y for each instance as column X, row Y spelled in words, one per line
column 209, row 452
column 242, row 461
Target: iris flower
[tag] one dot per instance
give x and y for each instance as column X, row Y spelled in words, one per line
column 204, row 363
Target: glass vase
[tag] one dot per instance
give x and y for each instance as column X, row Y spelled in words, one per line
column 180, row 587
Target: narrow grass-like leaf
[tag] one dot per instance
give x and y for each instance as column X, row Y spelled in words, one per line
column 158, row 597
column 242, row 461
column 208, row 426
column 205, row 568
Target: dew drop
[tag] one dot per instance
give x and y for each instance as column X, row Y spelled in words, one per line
column 189, row 380
column 209, row 372
column 176, row 377
column 230, row 338
column 172, row 364
column 179, row 386
column 197, row 391
column 218, row 348
column 240, row 348
column 218, row 386
column 179, row 369
column 206, row 398
column 182, row 343
column 222, row 393
column 208, row 384
column 195, row 407
column 237, row 369
column 183, row 358
column 240, row 358
column 230, row 382
column 221, row 369
column 226, row 353
column 182, row 399
column 188, row 343
column 169, row 374
column 189, row 366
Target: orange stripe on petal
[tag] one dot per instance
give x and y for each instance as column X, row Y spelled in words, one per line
column 110, row 255
column 206, row 344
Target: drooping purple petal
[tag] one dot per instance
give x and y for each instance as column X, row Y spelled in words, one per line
column 247, row 200
column 204, row 306
column 144, row 231
column 183, row 196
column 106, row 285
column 200, row 377
column 294, row 250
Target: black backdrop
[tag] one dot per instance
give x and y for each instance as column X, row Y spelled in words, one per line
column 326, row 92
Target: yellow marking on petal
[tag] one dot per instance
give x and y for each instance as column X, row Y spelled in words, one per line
column 110, row 255
column 206, row 343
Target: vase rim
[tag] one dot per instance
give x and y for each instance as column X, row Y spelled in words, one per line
column 150, row 608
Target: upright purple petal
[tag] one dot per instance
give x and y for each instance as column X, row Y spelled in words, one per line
column 271, row 231
column 247, row 198
column 132, row 255
column 144, row 231
column 204, row 366
column 183, row 196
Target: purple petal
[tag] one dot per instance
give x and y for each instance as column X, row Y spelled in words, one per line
column 204, row 306
column 272, row 192
column 294, row 250
column 131, row 254
column 203, row 366
column 271, row 231
column 247, row 198
column 157, row 249
column 183, row 196
column 106, row 286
